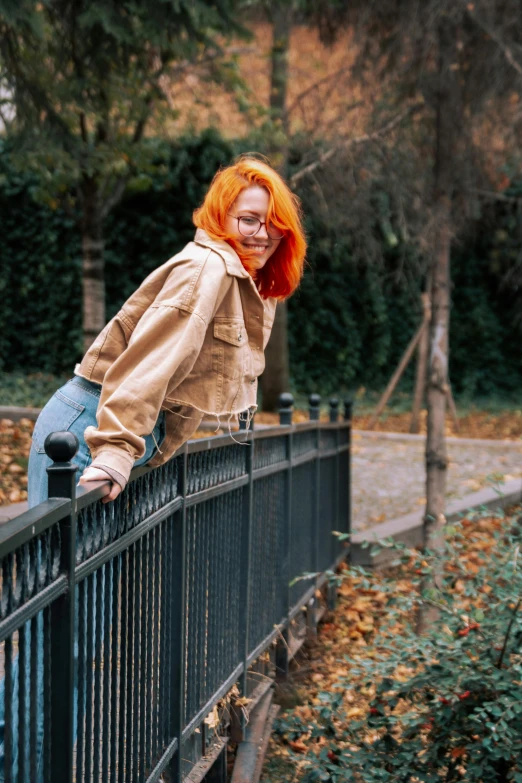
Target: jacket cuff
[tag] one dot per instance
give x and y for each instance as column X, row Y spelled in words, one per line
column 118, row 462
column 115, row 476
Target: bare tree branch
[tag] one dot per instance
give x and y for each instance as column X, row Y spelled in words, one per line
column 491, row 195
column 316, row 85
column 353, row 142
column 508, row 53
column 114, row 197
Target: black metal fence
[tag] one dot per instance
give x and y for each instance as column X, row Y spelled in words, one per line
column 124, row 624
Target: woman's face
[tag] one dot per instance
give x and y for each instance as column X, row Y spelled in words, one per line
column 252, row 203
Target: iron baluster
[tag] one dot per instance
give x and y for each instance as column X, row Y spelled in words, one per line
column 61, row 447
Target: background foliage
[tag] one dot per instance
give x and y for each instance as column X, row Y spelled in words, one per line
column 355, row 312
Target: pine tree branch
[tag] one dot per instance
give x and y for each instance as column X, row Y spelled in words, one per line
column 378, row 134
column 8, row 48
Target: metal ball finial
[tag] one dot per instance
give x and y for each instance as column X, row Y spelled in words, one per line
column 61, row 446
column 334, row 409
column 314, row 405
column 286, row 402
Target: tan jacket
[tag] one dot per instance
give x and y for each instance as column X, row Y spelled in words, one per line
column 190, row 341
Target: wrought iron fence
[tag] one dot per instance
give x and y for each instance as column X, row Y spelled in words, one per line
column 123, row 624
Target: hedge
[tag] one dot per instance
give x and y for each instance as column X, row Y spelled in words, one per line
column 349, row 322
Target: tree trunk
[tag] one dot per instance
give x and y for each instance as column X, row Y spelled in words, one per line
column 93, row 264
column 276, row 377
column 447, row 125
column 422, row 367
column 281, row 29
column 436, row 458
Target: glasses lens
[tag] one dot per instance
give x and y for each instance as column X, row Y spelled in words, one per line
column 274, row 232
column 248, row 226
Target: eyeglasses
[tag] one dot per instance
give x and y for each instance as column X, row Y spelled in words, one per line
column 249, row 226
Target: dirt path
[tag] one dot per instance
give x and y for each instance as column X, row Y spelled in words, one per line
column 389, row 473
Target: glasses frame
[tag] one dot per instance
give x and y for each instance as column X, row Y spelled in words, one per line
column 261, row 223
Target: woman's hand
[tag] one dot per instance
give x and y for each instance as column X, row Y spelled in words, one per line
column 96, row 474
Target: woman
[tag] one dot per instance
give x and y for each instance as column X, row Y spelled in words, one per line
column 189, row 342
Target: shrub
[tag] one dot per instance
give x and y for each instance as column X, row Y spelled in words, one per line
column 447, row 705
column 349, row 323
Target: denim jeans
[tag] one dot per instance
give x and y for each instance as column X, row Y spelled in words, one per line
column 72, row 408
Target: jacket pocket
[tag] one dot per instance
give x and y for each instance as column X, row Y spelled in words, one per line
column 230, row 348
column 59, row 414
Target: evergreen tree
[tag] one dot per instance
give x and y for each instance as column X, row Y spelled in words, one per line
column 86, row 80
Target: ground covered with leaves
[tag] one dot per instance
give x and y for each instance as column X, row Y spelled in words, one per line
column 471, row 424
column 15, row 442
column 15, row 437
column 504, row 424
column 376, row 701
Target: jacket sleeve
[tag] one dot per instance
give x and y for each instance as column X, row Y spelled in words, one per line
column 161, row 352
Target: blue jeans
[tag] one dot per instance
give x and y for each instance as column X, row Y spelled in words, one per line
column 72, row 408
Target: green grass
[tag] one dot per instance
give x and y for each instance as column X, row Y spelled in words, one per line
column 366, row 401
column 28, row 391
column 33, row 391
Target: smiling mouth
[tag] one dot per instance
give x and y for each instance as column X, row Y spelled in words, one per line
column 260, row 249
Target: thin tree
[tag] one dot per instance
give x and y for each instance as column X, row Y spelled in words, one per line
column 284, row 16
column 276, row 376
column 462, row 59
column 87, row 79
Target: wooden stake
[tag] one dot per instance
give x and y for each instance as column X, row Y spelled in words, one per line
column 452, row 408
column 422, row 366
column 408, row 353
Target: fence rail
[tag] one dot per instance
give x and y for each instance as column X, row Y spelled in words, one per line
column 123, row 624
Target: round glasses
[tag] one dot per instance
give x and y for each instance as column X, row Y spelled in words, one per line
column 249, row 226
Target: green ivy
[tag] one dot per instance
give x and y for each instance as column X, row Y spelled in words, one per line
column 348, row 324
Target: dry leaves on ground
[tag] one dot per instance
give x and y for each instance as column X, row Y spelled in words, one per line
column 15, row 439
column 15, row 442
column 349, row 636
column 478, row 424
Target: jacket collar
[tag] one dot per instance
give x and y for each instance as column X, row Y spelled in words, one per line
column 227, row 253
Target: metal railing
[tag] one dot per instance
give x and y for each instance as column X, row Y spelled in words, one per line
column 123, row 624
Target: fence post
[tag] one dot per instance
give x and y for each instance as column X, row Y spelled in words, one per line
column 286, row 409
column 178, row 555
column 61, row 447
column 331, row 590
column 314, row 406
column 348, row 413
column 237, row 715
column 334, row 409
column 282, row 657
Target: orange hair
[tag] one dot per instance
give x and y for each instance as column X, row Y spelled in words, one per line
column 282, row 273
